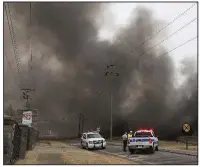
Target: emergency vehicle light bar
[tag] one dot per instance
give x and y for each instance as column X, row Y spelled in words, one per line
column 92, row 131
column 146, row 129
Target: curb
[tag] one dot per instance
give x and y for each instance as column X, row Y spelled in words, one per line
column 163, row 150
column 178, row 152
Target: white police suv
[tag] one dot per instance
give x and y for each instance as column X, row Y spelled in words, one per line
column 92, row 140
column 143, row 139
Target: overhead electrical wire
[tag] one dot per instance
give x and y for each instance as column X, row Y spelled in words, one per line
column 157, row 44
column 14, row 42
column 9, row 64
column 191, row 39
column 160, row 30
column 169, row 36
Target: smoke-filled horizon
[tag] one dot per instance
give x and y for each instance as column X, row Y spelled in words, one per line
column 69, row 64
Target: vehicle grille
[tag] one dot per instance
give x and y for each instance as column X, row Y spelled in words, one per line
column 98, row 142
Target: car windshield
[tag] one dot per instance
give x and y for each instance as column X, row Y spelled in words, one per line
column 143, row 134
column 94, row 135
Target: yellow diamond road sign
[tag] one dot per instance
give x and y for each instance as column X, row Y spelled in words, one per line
column 186, row 127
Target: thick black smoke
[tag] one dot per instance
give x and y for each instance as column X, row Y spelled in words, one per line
column 69, row 65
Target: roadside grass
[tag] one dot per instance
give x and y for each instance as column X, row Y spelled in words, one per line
column 177, row 146
column 74, row 155
column 69, row 155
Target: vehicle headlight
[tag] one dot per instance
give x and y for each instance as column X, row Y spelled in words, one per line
column 90, row 142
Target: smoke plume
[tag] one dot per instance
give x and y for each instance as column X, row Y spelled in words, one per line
column 69, row 65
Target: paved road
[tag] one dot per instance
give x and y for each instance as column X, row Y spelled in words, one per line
column 159, row 157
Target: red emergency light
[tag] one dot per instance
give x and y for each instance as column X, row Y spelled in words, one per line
column 146, row 129
column 151, row 129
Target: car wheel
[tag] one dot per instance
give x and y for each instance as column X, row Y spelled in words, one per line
column 132, row 151
column 156, row 148
column 82, row 145
column 87, row 146
column 103, row 146
column 152, row 149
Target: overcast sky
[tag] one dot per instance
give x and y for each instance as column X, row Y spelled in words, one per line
column 118, row 15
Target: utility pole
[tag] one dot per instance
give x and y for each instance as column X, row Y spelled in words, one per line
column 81, row 122
column 110, row 72
column 83, row 119
column 27, row 96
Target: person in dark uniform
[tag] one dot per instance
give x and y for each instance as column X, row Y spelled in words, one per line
column 125, row 139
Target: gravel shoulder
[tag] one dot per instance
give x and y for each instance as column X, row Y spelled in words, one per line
column 61, row 153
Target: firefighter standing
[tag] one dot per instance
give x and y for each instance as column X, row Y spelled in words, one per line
column 124, row 138
column 130, row 135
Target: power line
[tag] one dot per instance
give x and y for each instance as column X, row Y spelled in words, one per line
column 16, row 54
column 8, row 61
column 13, row 40
column 191, row 39
column 9, row 64
column 167, row 25
column 169, row 36
column 130, row 53
column 162, row 40
column 185, row 25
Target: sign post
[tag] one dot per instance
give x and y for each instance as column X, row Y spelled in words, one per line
column 27, row 118
column 186, row 129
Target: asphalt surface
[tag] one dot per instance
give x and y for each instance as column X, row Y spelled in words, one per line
column 158, row 158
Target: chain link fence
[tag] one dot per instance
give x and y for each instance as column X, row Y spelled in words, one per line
column 18, row 139
column 7, row 144
column 11, row 141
